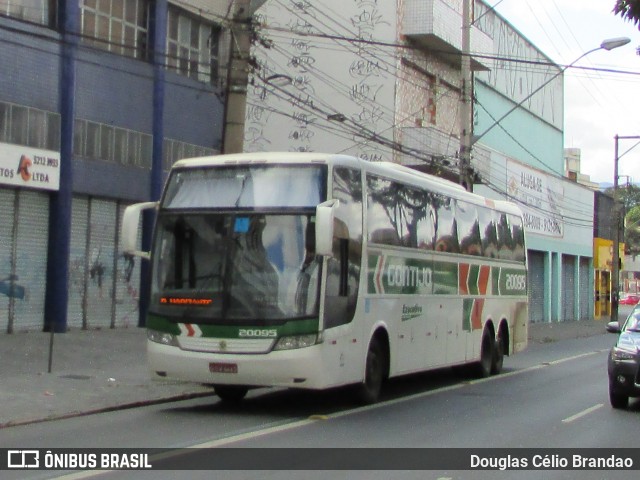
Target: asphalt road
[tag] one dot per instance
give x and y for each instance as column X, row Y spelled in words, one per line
column 551, row 396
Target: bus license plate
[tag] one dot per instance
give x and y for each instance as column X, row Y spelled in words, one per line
column 223, row 367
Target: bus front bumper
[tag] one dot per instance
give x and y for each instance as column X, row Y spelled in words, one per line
column 298, row 368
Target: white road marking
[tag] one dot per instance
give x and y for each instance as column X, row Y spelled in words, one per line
column 583, row 413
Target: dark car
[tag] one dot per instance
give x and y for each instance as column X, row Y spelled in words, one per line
column 624, row 361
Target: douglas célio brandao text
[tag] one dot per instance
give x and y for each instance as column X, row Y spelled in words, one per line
column 550, row 462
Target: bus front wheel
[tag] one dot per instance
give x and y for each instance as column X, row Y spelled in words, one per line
column 368, row 391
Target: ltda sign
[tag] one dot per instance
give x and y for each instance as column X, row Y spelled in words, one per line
column 29, row 167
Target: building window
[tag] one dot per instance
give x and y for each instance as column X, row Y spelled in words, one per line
column 98, row 141
column 36, row 11
column 29, row 126
column 175, row 150
column 119, row 26
column 192, row 46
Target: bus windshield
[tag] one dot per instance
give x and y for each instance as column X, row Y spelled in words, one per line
column 256, row 186
column 227, row 268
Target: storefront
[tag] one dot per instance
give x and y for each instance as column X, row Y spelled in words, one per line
column 27, row 175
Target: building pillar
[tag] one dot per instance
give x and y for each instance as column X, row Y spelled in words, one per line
column 59, row 245
column 548, row 268
column 577, row 300
column 592, row 298
column 158, row 26
column 556, row 312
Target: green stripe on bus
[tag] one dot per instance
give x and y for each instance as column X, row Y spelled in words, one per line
column 399, row 275
column 292, row 327
column 467, row 309
column 161, row 324
column 445, row 278
column 402, row 275
column 472, row 282
column 509, row 281
column 394, row 275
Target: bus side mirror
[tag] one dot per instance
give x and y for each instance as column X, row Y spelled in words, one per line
column 130, row 224
column 324, row 227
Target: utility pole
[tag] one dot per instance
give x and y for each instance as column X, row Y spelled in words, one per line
column 615, row 254
column 237, row 75
column 617, row 223
column 466, row 87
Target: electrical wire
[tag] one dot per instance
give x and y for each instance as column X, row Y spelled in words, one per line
column 353, row 127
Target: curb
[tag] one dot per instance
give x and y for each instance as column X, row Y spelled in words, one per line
column 113, row 408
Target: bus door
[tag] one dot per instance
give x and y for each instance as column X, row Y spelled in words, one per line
column 344, row 266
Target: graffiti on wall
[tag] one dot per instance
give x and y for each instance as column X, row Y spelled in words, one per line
column 320, row 85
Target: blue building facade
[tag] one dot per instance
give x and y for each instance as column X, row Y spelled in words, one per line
column 97, row 99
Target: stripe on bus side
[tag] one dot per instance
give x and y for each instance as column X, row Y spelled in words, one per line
column 473, row 279
column 463, row 274
column 472, row 309
column 207, row 330
column 392, row 275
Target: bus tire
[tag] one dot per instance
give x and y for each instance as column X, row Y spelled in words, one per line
column 230, row 393
column 498, row 355
column 487, row 348
column 369, row 390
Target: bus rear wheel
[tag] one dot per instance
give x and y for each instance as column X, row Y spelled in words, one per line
column 498, row 355
column 487, row 353
column 368, row 391
column 231, row 393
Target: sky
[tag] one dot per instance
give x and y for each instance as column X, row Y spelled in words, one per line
column 598, row 104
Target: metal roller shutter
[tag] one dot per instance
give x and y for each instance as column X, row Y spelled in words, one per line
column 78, row 266
column 536, row 286
column 586, row 287
column 102, row 224
column 31, row 258
column 127, row 284
column 568, row 287
column 7, row 200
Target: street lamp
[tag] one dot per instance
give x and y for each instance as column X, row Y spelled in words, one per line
column 608, row 44
column 615, row 255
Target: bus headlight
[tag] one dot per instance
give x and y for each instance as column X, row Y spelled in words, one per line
column 162, row 337
column 297, row 341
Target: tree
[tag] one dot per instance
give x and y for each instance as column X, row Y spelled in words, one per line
column 632, row 231
column 629, row 10
column 629, row 198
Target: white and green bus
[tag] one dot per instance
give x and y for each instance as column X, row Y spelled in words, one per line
column 314, row 271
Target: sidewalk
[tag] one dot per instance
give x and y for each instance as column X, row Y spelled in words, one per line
column 91, row 371
column 100, row 370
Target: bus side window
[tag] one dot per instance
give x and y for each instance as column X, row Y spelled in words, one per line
column 488, row 233
column 383, row 212
column 468, row 229
column 426, row 227
column 517, row 234
column 447, row 234
column 343, row 269
column 505, row 240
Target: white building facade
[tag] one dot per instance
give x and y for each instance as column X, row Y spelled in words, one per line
column 383, row 81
